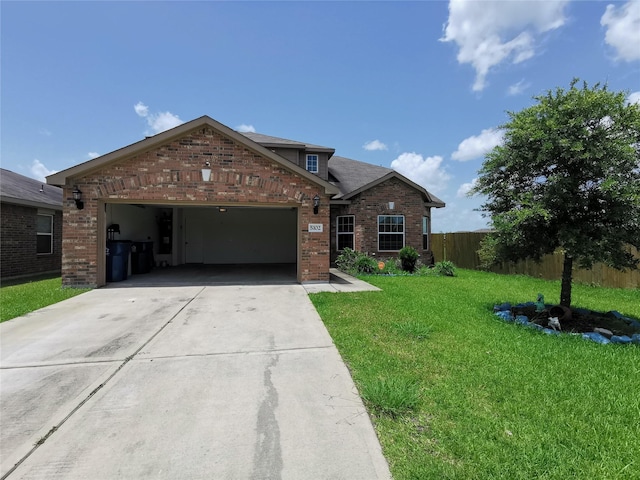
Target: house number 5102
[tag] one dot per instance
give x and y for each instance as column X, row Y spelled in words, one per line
column 315, row 228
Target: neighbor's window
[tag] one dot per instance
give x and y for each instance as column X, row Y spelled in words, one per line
column 425, row 233
column 345, row 232
column 390, row 233
column 45, row 234
column 312, row 163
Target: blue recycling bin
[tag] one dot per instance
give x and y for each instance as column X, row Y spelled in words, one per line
column 118, row 260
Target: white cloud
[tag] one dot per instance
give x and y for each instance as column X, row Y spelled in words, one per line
column 491, row 32
column 38, row 170
column 141, row 109
column 465, row 188
column 246, row 128
column 375, row 145
column 427, row 172
column 634, row 98
column 477, row 146
column 518, row 88
column 93, row 154
column 623, row 29
column 159, row 122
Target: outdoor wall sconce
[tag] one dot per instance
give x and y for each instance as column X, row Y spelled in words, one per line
column 77, row 197
column 392, row 205
column 206, row 172
column 316, row 204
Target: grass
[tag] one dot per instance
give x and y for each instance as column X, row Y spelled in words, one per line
column 20, row 299
column 456, row 393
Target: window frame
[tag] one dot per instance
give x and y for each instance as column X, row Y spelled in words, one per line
column 317, row 162
column 403, row 232
column 339, row 233
column 44, row 234
column 425, row 233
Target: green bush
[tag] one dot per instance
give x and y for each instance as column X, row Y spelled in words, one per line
column 408, row 258
column 354, row 262
column 366, row 264
column 446, row 268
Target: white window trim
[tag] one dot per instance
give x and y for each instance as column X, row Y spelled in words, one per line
column 428, row 219
column 338, row 233
column 50, row 235
column 390, row 233
column 317, row 162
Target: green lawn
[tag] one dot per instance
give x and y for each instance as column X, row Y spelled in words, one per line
column 20, row 299
column 456, row 393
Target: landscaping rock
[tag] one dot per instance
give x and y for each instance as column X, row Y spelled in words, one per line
column 635, row 338
column 502, row 308
column 620, row 339
column 522, row 319
column 550, row 331
column 603, row 331
column 596, row 337
column 505, row 315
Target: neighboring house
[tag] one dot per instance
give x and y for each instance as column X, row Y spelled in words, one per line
column 204, row 193
column 30, row 228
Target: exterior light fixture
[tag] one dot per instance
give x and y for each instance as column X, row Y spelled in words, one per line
column 206, row 171
column 222, row 209
column 392, row 205
column 316, row 204
column 77, row 197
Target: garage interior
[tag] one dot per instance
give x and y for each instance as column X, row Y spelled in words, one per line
column 178, row 244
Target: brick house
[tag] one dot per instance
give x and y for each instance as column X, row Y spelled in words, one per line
column 31, row 226
column 206, row 194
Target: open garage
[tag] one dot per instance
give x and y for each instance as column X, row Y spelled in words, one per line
column 178, row 235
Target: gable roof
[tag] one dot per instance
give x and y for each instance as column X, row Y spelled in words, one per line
column 353, row 177
column 155, row 141
column 21, row 190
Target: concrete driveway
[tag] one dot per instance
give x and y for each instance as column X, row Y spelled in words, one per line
column 224, row 382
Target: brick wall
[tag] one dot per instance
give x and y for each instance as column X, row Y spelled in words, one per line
column 366, row 207
column 171, row 174
column 18, row 248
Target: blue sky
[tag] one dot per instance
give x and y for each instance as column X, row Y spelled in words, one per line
column 416, row 86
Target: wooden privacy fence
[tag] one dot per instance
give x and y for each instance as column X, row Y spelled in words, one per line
column 461, row 249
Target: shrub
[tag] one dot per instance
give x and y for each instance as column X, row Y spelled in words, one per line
column 346, row 261
column 446, row 268
column 353, row 262
column 408, row 258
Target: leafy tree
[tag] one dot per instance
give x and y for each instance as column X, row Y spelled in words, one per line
column 566, row 176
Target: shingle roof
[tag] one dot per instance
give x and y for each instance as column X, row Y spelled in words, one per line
column 269, row 141
column 352, row 176
column 16, row 188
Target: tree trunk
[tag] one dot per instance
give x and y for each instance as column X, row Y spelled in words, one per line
column 565, row 290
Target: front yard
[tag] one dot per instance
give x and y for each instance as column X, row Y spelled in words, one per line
column 454, row 392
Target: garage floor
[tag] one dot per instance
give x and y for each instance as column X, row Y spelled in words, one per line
column 206, row 275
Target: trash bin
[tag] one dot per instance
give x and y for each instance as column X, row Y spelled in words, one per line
column 117, row 260
column 141, row 257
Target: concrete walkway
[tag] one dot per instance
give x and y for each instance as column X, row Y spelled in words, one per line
column 223, row 382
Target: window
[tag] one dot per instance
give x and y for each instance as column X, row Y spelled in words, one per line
column 345, row 232
column 44, row 227
column 425, row 233
column 312, row 163
column 390, row 233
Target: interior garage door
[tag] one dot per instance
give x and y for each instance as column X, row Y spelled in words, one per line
column 240, row 235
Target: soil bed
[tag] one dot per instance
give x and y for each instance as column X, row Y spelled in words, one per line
column 581, row 321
